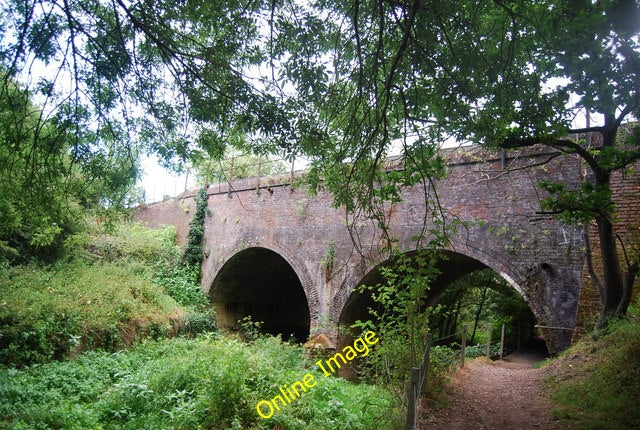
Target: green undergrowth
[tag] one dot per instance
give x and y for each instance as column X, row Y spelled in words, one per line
column 46, row 313
column 209, row 382
column 596, row 383
column 119, row 335
column 111, row 291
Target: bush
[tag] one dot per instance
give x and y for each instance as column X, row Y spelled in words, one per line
column 250, row 330
column 181, row 283
column 200, row 322
column 209, row 382
column 25, row 339
column 400, row 316
column 480, row 350
column 47, row 313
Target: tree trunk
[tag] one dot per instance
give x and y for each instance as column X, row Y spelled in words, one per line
column 475, row 324
column 617, row 286
column 632, row 271
column 611, row 272
column 455, row 319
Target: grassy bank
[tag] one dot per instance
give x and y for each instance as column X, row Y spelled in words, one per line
column 596, row 383
column 51, row 313
column 111, row 291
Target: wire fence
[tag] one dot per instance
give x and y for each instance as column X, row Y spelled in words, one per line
column 247, row 166
column 225, row 171
column 419, row 374
column 251, row 166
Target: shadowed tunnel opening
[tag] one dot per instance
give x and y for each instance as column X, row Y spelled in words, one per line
column 259, row 283
column 453, row 267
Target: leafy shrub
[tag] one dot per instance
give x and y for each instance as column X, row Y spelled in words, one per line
column 443, row 360
column 209, row 382
column 24, row 339
column 181, row 283
column 400, row 316
column 444, row 357
column 200, row 322
column 251, row 330
column 480, row 350
column 48, row 312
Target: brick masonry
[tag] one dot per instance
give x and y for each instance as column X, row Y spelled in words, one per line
column 541, row 258
column 626, row 196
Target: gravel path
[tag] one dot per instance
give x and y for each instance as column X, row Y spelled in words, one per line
column 502, row 395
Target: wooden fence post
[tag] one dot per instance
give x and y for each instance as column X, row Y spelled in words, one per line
column 259, row 174
column 489, row 330
column 413, row 395
column 230, row 178
column 463, row 349
column 502, row 343
column 424, row 366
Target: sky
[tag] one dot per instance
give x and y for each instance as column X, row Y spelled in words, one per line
column 159, row 182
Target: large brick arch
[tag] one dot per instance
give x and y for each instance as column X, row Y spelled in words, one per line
column 468, row 249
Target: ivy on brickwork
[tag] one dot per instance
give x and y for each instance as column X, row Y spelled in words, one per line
column 182, row 281
column 193, row 253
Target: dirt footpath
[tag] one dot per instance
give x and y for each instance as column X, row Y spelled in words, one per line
column 502, row 395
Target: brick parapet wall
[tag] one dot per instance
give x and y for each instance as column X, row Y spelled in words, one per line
column 626, row 196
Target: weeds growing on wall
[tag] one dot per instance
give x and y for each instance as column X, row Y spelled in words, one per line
column 193, row 252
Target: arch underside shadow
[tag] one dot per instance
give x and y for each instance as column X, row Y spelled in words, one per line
column 260, row 283
column 462, row 257
column 453, row 267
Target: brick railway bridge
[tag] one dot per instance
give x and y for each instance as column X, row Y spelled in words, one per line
column 287, row 258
